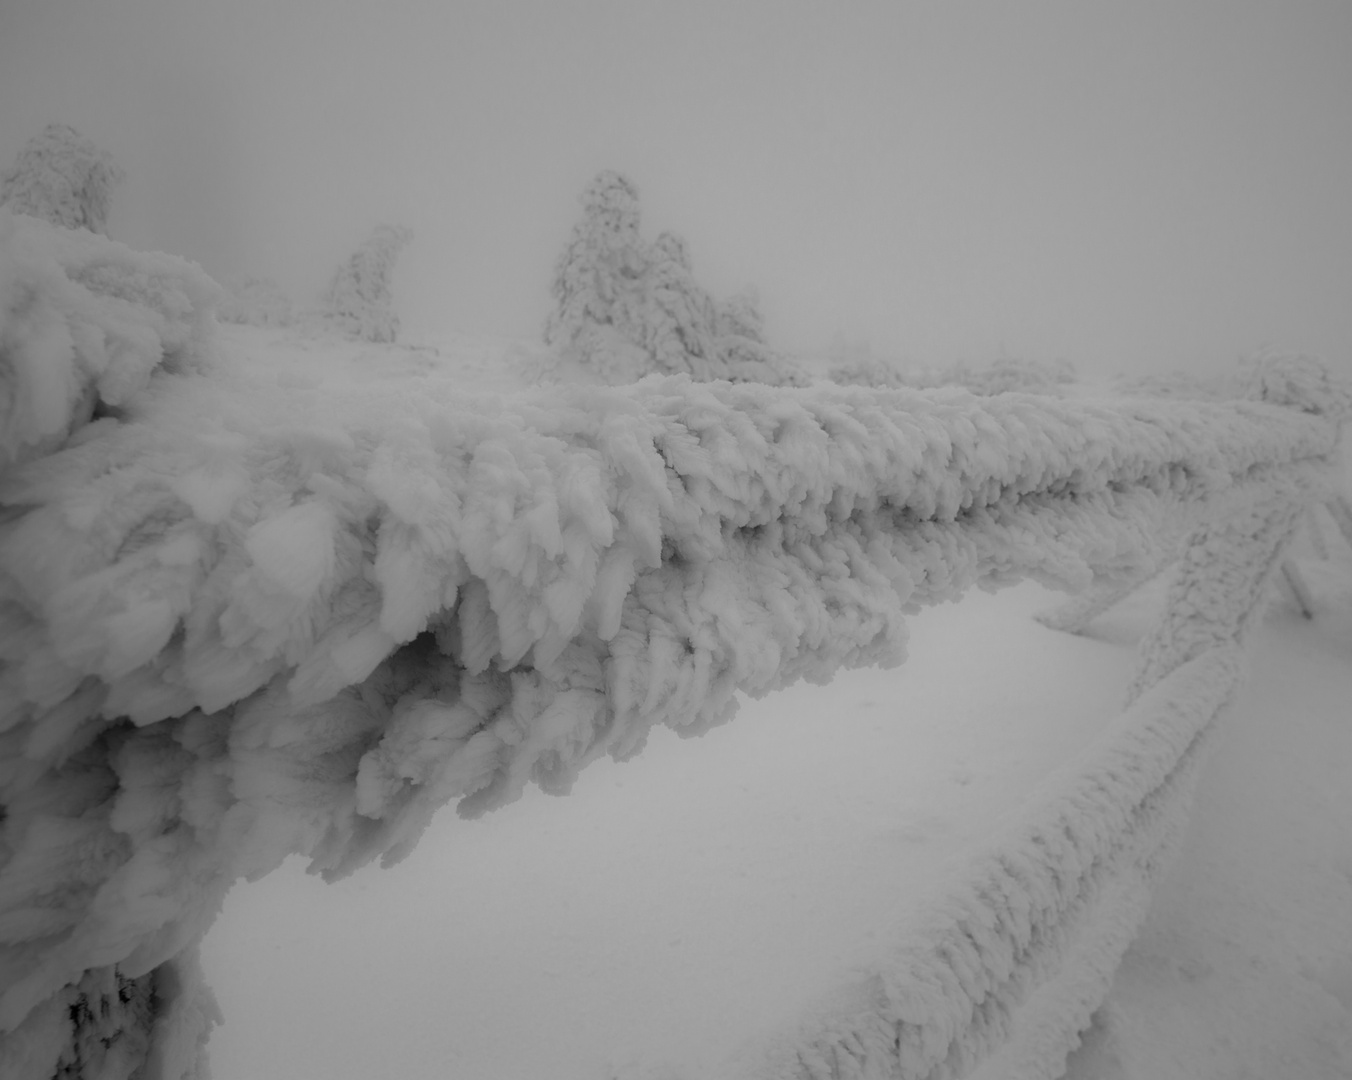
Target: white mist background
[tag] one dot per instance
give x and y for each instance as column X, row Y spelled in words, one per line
column 1136, row 186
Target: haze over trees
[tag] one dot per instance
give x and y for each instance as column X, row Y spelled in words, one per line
column 63, row 178
column 626, row 306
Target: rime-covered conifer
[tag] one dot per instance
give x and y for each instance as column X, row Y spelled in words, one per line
column 359, row 300
column 626, row 306
column 593, row 279
column 62, row 177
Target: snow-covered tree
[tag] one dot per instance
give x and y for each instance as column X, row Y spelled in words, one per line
column 358, row 299
column 605, row 255
column 626, row 306
column 62, row 177
column 675, row 320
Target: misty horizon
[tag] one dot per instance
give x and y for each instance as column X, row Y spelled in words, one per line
column 1141, row 189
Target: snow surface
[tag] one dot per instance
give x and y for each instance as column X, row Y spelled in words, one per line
column 286, row 603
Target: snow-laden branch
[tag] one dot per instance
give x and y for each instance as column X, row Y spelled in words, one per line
column 243, row 622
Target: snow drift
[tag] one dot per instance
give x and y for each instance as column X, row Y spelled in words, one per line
column 240, row 622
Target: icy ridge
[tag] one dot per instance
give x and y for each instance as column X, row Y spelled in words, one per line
column 239, row 622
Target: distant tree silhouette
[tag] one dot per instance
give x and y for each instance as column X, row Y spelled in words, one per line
column 62, row 177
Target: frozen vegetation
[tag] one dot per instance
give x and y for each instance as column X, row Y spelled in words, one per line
column 252, row 608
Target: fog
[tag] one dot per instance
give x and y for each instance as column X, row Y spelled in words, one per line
column 1131, row 186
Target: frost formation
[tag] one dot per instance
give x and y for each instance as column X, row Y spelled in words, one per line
column 240, row 622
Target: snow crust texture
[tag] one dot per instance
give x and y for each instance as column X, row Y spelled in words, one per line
column 240, row 622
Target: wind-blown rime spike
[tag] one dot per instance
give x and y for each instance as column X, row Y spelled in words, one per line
column 333, row 612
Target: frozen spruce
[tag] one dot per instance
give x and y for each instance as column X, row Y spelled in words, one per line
column 627, row 307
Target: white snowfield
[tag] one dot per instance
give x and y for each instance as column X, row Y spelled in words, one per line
column 247, row 613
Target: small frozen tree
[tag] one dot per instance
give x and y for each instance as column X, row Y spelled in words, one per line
column 359, row 300
column 62, row 177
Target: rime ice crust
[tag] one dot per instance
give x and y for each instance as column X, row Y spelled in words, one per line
column 247, row 621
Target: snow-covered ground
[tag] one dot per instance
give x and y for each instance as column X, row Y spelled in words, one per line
column 678, row 913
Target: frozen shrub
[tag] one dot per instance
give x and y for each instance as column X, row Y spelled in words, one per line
column 63, row 178
column 359, row 300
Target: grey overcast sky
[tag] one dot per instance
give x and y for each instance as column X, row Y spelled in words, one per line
column 1132, row 185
